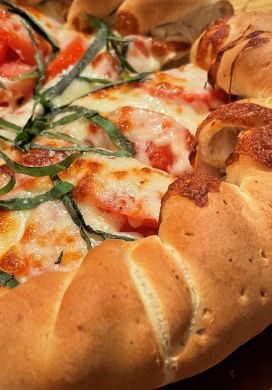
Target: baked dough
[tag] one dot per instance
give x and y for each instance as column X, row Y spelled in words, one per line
column 138, row 315
column 178, row 21
column 232, row 48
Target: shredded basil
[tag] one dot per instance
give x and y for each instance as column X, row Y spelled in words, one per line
column 3, row 138
column 32, row 22
column 140, row 77
column 6, row 125
column 8, row 280
column 72, row 208
column 59, row 259
column 56, row 192
column 118, row 138
column 9, row 186
column 81, row 149
column 66, row 80
column 109, row 236
column 26, row 76
column 115, row 43
column 46, row 170
column 38, row 58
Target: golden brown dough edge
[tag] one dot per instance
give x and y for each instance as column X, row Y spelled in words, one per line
column 142, row 17
column 237, row 51
column 139, row 315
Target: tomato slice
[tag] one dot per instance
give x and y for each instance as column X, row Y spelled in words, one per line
column 160, row 157
column 3, row 52
column 67, row 57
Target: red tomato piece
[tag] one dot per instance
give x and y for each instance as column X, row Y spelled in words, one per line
column 67, row 57
column 160, row 157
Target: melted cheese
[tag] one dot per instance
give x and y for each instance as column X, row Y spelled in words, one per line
column 188, row 113
column 116, row 195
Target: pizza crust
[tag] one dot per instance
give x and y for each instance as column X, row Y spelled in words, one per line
column 231, row 48
column 160, row 309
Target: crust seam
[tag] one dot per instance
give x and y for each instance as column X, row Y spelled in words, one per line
column 66, row 285
column 189, row 280
column 155, row 314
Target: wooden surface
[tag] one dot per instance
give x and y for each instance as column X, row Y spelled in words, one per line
column 252, row 5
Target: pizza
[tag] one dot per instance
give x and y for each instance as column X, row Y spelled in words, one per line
column 134, row 193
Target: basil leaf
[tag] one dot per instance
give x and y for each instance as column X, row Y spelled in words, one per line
column 119, row 44
column 9, row 186
column 59, row 259
column 8, row 280
column 33, row 23
column 3, row 138
column 108, row 236
column 66, row 80
column 38, row 58
column 30, row 203
column 2, row 85
column 118, row 138
column 140, row 77
column 46, row 170
column 95, row 21
column 64, row 137
column 26, row 76
column 6, row 125
column 93, row 80
column 72, row 208
column 81, row 149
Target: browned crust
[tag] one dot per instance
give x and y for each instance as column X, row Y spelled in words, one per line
column 252, row 124
column 241, row 62
column 138, row 315
column 212, row 41
column 194, row 186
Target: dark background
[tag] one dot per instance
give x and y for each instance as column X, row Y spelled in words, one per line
column 248, row 368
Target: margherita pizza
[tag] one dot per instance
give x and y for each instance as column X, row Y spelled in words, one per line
column 133, row 197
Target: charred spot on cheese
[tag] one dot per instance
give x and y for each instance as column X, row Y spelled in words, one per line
column 14, row 263
column 194, row 186
column 39, row 157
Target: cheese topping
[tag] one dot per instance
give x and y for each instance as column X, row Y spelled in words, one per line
column 144, row 132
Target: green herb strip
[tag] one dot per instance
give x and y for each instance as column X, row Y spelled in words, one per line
column 25, row 76
column 81, row 149
column 6, row 125
column 59, row 259
column 46, row 170
column 9, row 186
column 117, row 43
column 30, row 203
column 66, row 80
column 38, row 58
column 72, row 208
column 32, row 22
column 8, row 280
column 140, row 77
column 118, row 138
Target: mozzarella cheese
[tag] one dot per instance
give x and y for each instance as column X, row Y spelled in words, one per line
column 117, row 195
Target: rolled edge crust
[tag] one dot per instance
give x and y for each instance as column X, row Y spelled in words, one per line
column 140, row 17
column 224, row 256
column 237, row 52
column 110, row 324
column 139, row 315
column 101, row 9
